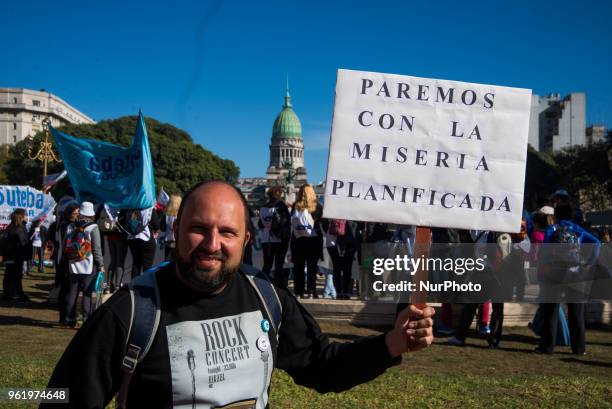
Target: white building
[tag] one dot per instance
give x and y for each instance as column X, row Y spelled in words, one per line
column 557, row 123
column 23, row 110
column 596, row 134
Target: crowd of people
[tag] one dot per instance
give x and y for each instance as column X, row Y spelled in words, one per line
column 556, row 225
column 84, row 232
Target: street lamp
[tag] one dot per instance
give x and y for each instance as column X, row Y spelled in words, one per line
column 45, row 152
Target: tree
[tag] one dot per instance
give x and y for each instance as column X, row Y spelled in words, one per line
column 178, row 161
column 586, row 172
column 541, row 178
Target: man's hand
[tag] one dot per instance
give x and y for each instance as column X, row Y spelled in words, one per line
column 413, row 331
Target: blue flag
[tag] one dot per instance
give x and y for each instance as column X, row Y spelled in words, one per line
column 106, row 173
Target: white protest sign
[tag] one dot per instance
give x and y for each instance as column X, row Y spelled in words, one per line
column 37, row 205
column 427, row 152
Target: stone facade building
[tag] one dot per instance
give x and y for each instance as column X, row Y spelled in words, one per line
column 23, row 110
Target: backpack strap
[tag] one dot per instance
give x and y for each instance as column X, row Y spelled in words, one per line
column 144, row 321
column 266, row 292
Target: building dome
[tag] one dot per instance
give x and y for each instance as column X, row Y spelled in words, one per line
column 287, row 123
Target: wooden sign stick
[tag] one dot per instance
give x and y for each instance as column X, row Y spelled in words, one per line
column 418, row 298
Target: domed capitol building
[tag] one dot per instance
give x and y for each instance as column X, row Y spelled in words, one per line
column 286, row 163
column 286, row 148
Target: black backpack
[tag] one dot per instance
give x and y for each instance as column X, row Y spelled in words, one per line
column 280, row 223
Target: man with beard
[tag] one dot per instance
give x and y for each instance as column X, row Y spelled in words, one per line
column 214, row 345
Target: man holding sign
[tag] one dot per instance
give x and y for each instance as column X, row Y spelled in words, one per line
column 217, row 340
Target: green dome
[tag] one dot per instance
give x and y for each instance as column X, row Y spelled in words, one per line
column 287, row 123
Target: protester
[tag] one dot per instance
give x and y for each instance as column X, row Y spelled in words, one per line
column 508, row 265
column 329, row 240
column 479, row 239
column 557, row 269
column 210, row 311
column 83, row 251
column 69, row 215
column 343, row 242
column 520, row 251
column 275, row 220
column 562, row 197
column 542, row 218
column 38, row 241
column 140, row 226
column 306, row 241
column 15, row 251
column 167, row 225
column 116, row 239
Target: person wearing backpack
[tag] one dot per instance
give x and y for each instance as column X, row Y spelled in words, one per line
column 306, row 241
column 562, row 260
column 207, row 331
column 275, row 220
column 141, row 227
column 83, row 252
column 67, row 215
column 117, row 247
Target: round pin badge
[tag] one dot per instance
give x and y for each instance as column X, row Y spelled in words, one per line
column 262, row 343
column 265, row 325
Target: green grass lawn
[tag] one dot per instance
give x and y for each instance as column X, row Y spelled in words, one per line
column 440, row 377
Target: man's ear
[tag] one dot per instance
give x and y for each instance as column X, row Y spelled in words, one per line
column 247, row 237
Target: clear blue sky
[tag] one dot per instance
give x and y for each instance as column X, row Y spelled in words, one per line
column 217, row 69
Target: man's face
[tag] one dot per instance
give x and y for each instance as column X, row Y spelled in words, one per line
column 211, row 237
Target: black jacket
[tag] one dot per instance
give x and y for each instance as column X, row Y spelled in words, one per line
column 16, row 246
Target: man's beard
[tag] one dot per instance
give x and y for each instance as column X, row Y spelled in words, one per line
column 202, row 280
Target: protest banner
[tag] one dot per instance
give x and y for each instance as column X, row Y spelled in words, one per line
column 36, row 204
column 105, row 173
column 427, row 152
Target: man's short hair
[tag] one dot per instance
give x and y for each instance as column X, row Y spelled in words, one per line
column 192, row 189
